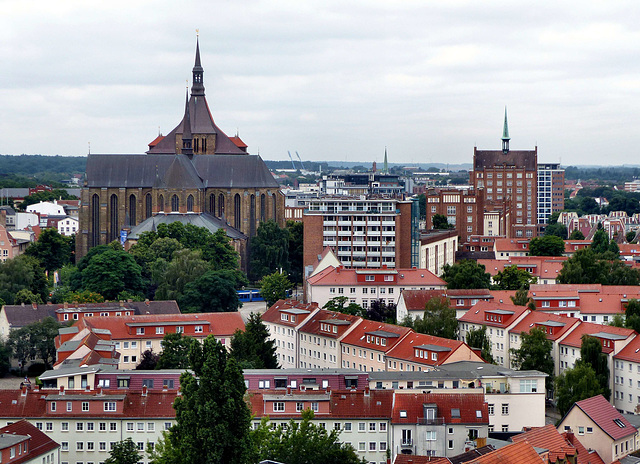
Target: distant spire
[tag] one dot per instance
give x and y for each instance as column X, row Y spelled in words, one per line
column 385, row 166
column 505, row 134
column 197, row 89
column 187, row 148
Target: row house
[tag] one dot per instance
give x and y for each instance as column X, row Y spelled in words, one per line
column 499, row 319
column 363, row 286
column 22, row 443
column 545, row 269
column 87, row 425
column 283, row 320
column 437, row 424
column 589, row 302
column 515, row 398
column 412, row 303
column 305, row 379
column 132, row 335
column 506, row 248
column 362, row 417
column 483, row 243
column 626, row 378
column 365, row 348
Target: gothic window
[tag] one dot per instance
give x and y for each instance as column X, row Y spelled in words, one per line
column 114, row 227
column 263, row 207
column 204, row 145
column 275, row 212
column 237, row 220
column 161, row 203
column 132, row 210
column 148, row 209
column 212, row 204
column 190, row 204
column 175, row 204
column 95, row 220
column 195, row 145
column 220, row 205
column 252, row 216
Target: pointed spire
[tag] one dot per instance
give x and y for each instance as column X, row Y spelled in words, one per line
column 187, row 148
column 385, row 166
column 505, row 134
column 197, row 89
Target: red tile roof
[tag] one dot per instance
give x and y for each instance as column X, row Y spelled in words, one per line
column 357, row 336
column 584, row 455
column 477, row 313
column 39, row 444
column 605, row 416
column 511, row 245
column 631, row 352
column 549, row 438
column 414, row 459
column 444, row 347
column 518, row 453
column 415, row 300
column 593, row 298
column 539, row 319
column 406, row 277
column 237, row 141
column 541, row 266
column 412, row 405
column 273, row 313
column 331, row 317
column 588, row 328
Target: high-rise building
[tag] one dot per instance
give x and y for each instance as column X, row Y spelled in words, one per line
column 507, row 181
column 550, row 190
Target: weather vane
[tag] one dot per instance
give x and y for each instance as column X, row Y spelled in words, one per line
column 197, row 32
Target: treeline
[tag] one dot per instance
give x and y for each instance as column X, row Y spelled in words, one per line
column 614, row 174
column 619, row 200
column 31, row 170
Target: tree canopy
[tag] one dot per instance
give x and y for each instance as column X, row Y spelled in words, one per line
column 22, row 272
column 338, row 304
column 52, row 249
column 35, row 341
column 556, row 230
column 124, row 452
column 576, row 384
column 512, row 278
column 535, row 354
column 253, row 348
column 214, row 291
column 296, row 234
column 466, row 274
column 592, row 355
column 274, row 287
column 588, row 267
column 547, row 245
column 576, row 235
column 269, row 251
column 439, row 319
column 440, row 222
column 477, row 338
column 175, row 351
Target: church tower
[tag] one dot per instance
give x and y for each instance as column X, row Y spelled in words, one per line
column 505, row 134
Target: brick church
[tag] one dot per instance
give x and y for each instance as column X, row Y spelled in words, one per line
column 195, row 174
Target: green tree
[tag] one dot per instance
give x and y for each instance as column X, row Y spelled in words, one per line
column 172, row 277
column 148, row 361
column 576, row 235
column 26, row 296
column 269, row 251
column 588, row 267
column 466, row 274
column 338, row 303
column 35, row 341
column 22, row 272
column 175, row 351
column 521, row 298
column 600, row 241
column 52, row 249
column 274, row 287
column 632, row 314
column 439, row 319
column 557, row 229
column 212, row 418
column 214, row 291
column 440, row 222
column 574, row 385
column 5, row 359
column 592, row 355
column 124, row 452
column 512, row 278
column 380, row 311
column 302, row 443
column 477, row 338
column 617, row 321
column 85, row 296
column 548, row 245
column 254, row 348
column 535, row 354
column 296, row 235
column 111, row 272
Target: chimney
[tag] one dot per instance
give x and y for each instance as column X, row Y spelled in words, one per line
column 66, row 305
column 144, row 390
column 35, row 305
column 366, row 391
column 62, row 389
column 24, row 391
column 289, row 391
column 146, row 302
column 99, row 391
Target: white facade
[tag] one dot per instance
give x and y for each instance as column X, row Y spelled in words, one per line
column 434, row 255
column 47, row 208
column 24, row 220
column 68, row 226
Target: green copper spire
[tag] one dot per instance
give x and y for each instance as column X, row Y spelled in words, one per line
column 385, row 167
column 505, row 134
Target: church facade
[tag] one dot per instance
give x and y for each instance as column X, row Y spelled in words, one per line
column 195, row 174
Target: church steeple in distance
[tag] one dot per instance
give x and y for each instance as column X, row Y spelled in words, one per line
column 505, row 134
column 197, row 89
column 187, row 147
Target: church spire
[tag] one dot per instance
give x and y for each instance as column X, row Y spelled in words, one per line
column 187, row 147
column 505, row 134
column 197, row 89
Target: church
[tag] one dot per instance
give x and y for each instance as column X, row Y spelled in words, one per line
column 195, row 174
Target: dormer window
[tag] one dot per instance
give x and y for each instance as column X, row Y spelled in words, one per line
column 284, row 317
column 335, row 329
column 293, row 318
column 383, row 341
column 369, row 278
column 619, row 423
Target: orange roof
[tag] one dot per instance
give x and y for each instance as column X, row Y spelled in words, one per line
column 340, row 276
column 392, row 333
column 300, row 309
column 631, row 352
column 588, row 328
column 557, row 325
column 511, row 245
column 405, row 350
column 549, row 438
column 415, row 300
column 408, row 408
column 237, row 141
column 342, row 321
column 502, row 296
column 584, row 456
column 518, row 453
column 504, row 314
column 540, row 266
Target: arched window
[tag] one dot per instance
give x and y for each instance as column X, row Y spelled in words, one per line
column 175, row 203
column 190, row 204
column 114, row 227
column 237, row 220
column 252, row 216
column 161, row 203
column 263, row 207
column 275, row 209
column 212, row 204
column 132, row 210
column 148, row 207
column 95, row 220
column 220, row 205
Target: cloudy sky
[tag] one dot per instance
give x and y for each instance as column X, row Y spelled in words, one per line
column 333, row 80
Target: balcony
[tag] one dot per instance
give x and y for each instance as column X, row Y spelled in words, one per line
column 430, row 420
column 406, row 443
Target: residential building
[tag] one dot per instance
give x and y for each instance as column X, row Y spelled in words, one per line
column 11, row 247
column 599, row 426
column 283, row 320
column 517, row 453
column 368, row 183
column 438, row 249
column 499, row 319
column 412, row 303
column 365, row 233
column 363, row 286
column 305, row 379
column 550, row 190
column 437, row 424
column 506, row 248
column 319, row 338
column 626, row 378
column 557, row 448
column 544, row 268
column 68, row 226
column 22, row 443
column 366, row 346
column 464, row 210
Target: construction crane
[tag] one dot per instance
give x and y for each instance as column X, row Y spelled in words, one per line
column 299, row 159
column 291, row 158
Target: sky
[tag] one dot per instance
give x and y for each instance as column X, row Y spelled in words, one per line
column 332, row 80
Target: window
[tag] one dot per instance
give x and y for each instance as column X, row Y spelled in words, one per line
column 129, row 426
column 299, row 407
column 102, row 426
column 64, row 446
column 372, row 426
column 372, row 446
column 361, row 426
column 278, row 406
column 64, row 426
column 89, row 446
column 159, row 330
column 140, row 331
column 450, row 444
column 53, row 406
column 580, row 430
column 168, row 384
column 528, row 386
column 314, row 407
column 79, row 446
column 123, row 383
column 147, row 383
column 69, row 406
column 85, row 405
column 79, row 426
column 431, row 435
column 179, row 329
column 505, row 409
column 198, row 329
column 113, row 426
column 140, row 426
column 491, row 409
column 110, row 406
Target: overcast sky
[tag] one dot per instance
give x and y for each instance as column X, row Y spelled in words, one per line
column 333, row 80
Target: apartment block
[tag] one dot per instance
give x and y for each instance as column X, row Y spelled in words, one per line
column 464, row 210
column 550, row 190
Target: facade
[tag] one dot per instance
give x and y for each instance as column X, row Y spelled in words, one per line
column 543, row 268
column 507, row 181
column 22, row 443
column 305, row 379
column 464, row 210
column 413, row 302
column 365, row 233
column 68, row 226
column 437, row 249
column 365, row 348
column 600, row 427
column 195, row 170
column 550, row 190
column 10, row 247
column 364, row 286
column 626, row 378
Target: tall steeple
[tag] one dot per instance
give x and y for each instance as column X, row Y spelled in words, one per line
column 187, row 147
column 505, row 134
column 385, row 166
column 197, row 89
